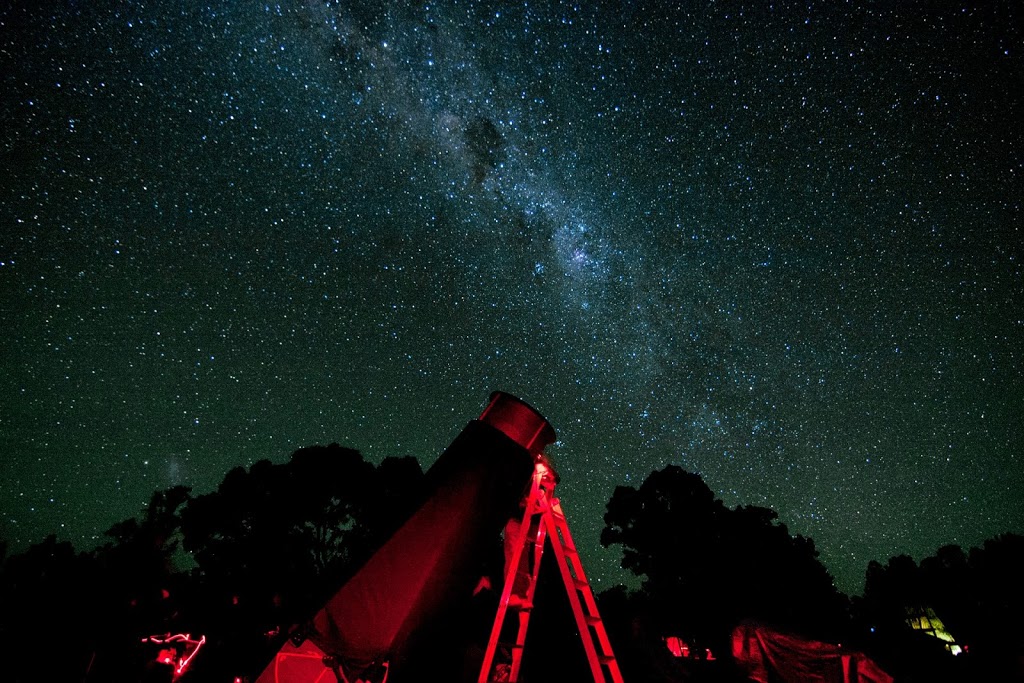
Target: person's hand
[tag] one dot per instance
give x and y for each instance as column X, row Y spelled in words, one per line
column 483, row 584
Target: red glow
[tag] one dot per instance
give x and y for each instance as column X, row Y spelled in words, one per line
column 680, row 648
column 677, row 646
column 169, row 655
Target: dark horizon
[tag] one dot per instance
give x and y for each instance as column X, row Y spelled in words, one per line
column 372, row 540
column 592, row 556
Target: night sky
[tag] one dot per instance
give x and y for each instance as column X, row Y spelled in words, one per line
column 778, row 245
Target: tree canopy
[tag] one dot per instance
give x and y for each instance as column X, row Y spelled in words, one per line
column 710, row 566
column 245, row 563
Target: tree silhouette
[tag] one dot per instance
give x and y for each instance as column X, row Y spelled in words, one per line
column 273, row 542
column 997, row 567
column 91, row 609
column 977, row 596
column 45, row 592
column 706, row 567
column 139, row 560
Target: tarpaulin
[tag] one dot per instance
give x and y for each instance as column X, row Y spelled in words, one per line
column 768, row 655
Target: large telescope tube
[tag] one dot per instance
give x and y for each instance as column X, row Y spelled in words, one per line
column 435, row 557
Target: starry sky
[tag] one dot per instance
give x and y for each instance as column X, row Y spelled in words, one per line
column 777, row 244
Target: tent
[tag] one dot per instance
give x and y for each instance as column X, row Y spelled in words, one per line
column 390, row 617
column 767, row 655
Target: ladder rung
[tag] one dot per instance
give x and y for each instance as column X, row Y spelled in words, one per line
column 521, row 607
column 595, row 640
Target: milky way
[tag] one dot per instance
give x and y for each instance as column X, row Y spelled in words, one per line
column 775, row 244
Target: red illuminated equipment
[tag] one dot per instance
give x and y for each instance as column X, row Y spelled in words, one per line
column 397, row 618
column 543, row 519
column 176, row 650
column 766, row 655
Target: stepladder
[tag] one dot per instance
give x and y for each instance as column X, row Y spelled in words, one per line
column 543, row 523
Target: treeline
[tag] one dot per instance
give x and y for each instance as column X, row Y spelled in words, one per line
column 245, row 564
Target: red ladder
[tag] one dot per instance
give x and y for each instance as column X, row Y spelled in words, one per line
column 551, row 524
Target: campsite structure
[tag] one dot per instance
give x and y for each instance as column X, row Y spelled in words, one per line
column 766, row 655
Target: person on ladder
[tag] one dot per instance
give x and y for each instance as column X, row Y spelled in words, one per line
column 542, row 516
column 547, row 478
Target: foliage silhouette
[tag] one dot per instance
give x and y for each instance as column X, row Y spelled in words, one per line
column 978, row 596
column 272, row 543
column 709, row 566
column 265, row 550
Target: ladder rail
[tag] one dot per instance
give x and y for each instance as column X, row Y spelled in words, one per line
column 506, row 591
column 526, row 612
column 589, row 623
column 552, row 525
